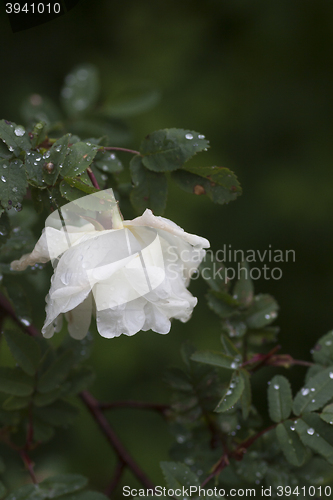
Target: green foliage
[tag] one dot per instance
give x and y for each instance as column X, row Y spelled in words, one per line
column 279, row 398
column 218, row 431
column 291, row 444
column 316, row 393
column 66, row 486
column 13, row 183
column 150, row 188
column 167, row 150
column 24, row 349
column 15, row 137
column 81, row 90
column 178, row 475
column 218, row 183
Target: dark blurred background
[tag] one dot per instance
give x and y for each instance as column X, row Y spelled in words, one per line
column 256, row 78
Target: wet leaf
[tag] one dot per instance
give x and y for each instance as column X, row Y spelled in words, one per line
column 150, row 188
column 168, row 149
column 219, row 184
column 279, row 398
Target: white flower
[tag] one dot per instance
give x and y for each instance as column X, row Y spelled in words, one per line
column 133, row 276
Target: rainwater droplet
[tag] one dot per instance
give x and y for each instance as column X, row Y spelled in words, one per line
column 65, row 277
column 305, row 391
column 200, row 136
column 331, row 375
column 3, row 178
column 310, row 431
column 276, row 386
column 189, row 136
column 19, row 131
column 25, row 321
column 14, row 189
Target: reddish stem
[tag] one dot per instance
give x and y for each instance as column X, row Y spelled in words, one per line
column 236, row 454
column 6, row 306
column 29, row 465
column 116, row 478
column 139, row 405
column 123, row 455
column 125, row 150
column 93, row 178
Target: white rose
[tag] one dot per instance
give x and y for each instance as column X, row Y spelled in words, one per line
column 133, row 276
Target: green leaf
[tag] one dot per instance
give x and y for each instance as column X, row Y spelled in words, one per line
column 15, row 382
column 316, row 393
column 229, row 347
column 80, row 379
column 133, row 101
column 34, row 168
column 279, row 398
column 54, row 159
column 77, row 183
column 79, row 158
column 59, row 413
column 27, row 492
column 222, row 304
column 290, row 443
column 63, row 484
column 21, row 304
column 179, row 380
column 327, row 414
column 56, row 373
column 14, row 136
column 216, row 359
column 39, row 134
column 47, row 397
column 81, row 349
column 259, row 337
column 4, row 151
column 246, row 398
column 25, row 350
column 178, row 475
column 69, row 192
column 316, row 434
column 16, row 403
column 262, row 311
column 213, row 273
column 13, row 183
column 81, row 89
column 150, row 188
column 37, row 108
column 108, row 162
column 243, row 289
column 168, row 149
column 218, row 183
column 53, row 487
column 232, row 394
column 323, row 350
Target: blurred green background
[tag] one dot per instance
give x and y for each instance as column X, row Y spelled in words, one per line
column 256, row 78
